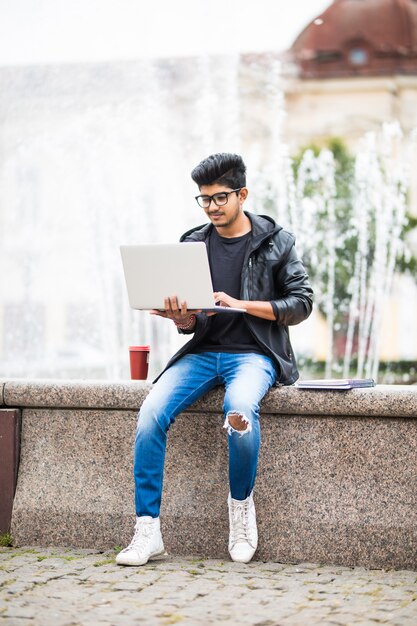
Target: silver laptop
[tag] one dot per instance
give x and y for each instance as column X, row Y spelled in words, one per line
column 156, row 271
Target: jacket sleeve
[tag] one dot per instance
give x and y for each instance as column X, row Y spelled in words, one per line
column 295, row 301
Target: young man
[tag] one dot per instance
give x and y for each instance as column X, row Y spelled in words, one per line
column 253, row 266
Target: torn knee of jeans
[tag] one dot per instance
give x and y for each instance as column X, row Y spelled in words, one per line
column 237, row 422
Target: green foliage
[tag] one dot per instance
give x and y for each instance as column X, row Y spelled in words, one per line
column 103, row 562
column 347, row 240
column 407, row 264
column 344, row 173
column 390, row 372
column 6, row 540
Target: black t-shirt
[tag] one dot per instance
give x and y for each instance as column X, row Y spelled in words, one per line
column 228, row 332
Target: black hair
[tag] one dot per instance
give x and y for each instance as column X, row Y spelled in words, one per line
column 222, row 168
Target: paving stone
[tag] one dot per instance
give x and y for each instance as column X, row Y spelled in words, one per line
column 53, row 587
column 20, row 612
column 12, row 621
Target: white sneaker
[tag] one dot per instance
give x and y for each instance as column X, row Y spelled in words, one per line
column 243, row 536
column 146, row 543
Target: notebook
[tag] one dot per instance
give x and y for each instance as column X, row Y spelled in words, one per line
column 156, row 271
column 336, row 383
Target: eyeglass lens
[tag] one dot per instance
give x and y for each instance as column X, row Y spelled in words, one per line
column 219, row 199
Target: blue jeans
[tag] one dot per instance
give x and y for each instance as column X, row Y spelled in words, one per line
column 247, row 378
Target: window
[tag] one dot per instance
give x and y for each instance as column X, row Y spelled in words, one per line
column 358, row 56
column 328, row 56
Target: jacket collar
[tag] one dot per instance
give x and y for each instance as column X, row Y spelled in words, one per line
column 263, row 227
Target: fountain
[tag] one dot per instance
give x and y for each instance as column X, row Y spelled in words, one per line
column 351, row 241
column 93, row 156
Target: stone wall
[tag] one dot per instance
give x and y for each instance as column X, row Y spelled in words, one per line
column 336, row 480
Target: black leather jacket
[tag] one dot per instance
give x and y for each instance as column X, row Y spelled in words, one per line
column 271, row 272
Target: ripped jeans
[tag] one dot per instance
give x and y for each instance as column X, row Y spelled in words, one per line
column 246, row 376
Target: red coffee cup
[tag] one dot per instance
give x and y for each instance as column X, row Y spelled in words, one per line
column 139, row 362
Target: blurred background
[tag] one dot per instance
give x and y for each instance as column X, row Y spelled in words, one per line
column 105, row 108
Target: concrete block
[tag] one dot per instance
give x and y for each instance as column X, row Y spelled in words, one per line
column 331, row 487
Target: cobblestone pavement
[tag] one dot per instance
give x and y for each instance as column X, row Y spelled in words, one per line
column 61, row 587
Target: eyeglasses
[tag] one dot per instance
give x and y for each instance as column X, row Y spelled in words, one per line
column 219, row 199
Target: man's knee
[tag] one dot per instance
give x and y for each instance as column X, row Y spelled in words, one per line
column 237, row 421
column 151, row 418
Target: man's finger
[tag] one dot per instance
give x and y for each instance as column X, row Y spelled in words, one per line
column 174, row 303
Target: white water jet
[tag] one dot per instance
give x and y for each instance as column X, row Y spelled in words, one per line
column 92, row 157
column 374, row 226
column 381, row 183
column 96, row 156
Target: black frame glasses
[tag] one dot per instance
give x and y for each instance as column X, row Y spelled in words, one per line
column 204, row 201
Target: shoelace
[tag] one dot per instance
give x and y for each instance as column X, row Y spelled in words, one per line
column 143, row 532
column 240, row 522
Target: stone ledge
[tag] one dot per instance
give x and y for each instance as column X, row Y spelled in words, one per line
column 330, row 489
column 83, row 394
column 381, row 401
column 335, row 483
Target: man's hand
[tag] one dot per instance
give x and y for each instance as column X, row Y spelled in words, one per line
column 224, row 300
column 176, row 311
column 256, row 308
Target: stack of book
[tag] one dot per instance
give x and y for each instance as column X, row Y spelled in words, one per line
column 336, row 383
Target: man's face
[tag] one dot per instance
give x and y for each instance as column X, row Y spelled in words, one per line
column 225, row 215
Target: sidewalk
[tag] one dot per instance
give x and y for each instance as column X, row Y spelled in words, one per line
column 61, row 587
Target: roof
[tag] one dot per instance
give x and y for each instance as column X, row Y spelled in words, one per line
column 359, row 38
